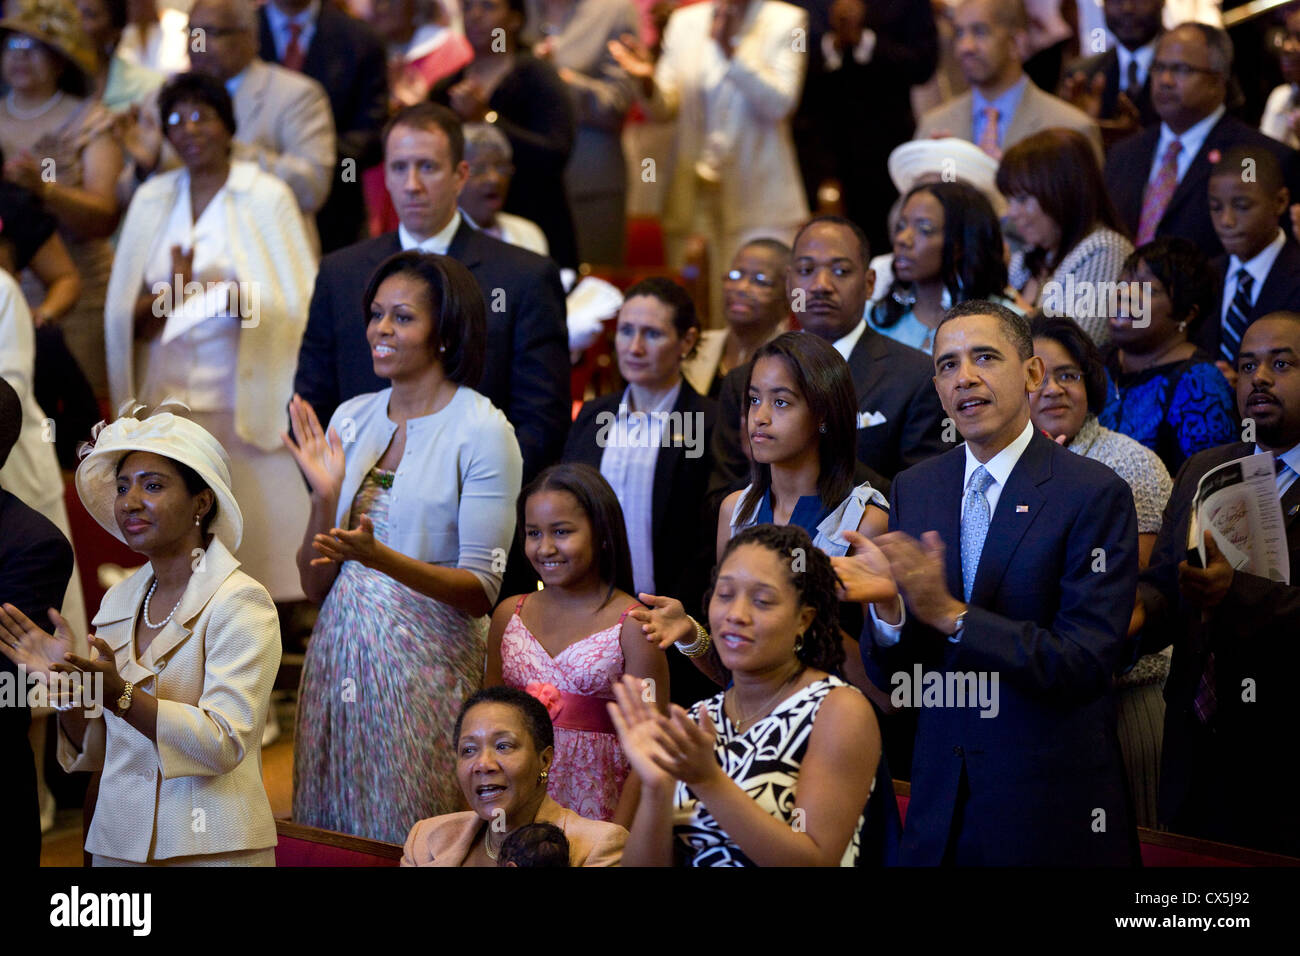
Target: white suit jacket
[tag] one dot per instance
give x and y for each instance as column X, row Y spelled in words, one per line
column 271, row 251
column 1037, row 111
column 746, row 102
column 199, row 790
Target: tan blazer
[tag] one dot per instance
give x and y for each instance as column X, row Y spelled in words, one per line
column 199, row 789
column 446, row 840
column 1037, row 111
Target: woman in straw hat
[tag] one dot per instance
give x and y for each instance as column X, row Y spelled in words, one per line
column 57, row 142
column 185, row 653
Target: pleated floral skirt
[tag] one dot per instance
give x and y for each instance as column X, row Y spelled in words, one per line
column 385, row 673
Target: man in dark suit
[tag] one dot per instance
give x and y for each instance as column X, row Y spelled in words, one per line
column 1022, row 581
column 899, row 418
column 344, row 55
column 1226, row 773
column 35, row 568
column 1114, row 85
column 1261, row 272
column 526, row 374
column 1157, row 178
column 863, row 60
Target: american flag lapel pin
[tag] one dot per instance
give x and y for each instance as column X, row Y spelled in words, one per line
column 1022, row 509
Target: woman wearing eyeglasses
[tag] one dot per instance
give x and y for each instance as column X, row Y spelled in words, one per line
column 754, row 307
column 206, row 306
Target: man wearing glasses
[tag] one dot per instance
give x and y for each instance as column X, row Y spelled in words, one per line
column 1158, row 177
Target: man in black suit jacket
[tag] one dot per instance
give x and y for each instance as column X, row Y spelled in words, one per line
column 899, row 418
column 1136, row 26
column 1190, row 107
column 526, row 374
column 1245, row 210
column 344, row 55
column 35, row 568
column 1042, row 543
column 1226, row 771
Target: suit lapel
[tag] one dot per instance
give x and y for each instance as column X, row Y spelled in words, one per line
column 1019, row 505
column 670, row 457
column 1280, row 287
column 1193, row 185
column 947, row 516
column 252, row 92
column 464, row 246
column 1023, row 120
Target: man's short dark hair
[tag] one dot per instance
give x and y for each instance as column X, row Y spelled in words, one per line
column 1014, row 325
column 11, row 420
column 863, row 243
column 429, row 116
column 196, row 88
column 1261, row 161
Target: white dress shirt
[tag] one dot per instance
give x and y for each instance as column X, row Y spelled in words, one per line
column 1276, row 121
column 845, row 344
column 1192, row 140
column 437, row 243
column 999, row 468
column 1287, row 476
column 833, row 59
column 1258, row 267
column 1143, row 55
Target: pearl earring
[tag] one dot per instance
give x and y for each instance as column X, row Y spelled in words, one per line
column 198, row 520
column 822, row 428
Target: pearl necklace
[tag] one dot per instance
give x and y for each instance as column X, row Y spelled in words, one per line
column 150, row 624
column 41, row 110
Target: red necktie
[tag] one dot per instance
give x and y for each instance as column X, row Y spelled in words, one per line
column 1157, row 196
column 293, row 55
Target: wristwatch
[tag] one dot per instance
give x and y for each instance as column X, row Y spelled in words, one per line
column 124, row 702
column 958, row 623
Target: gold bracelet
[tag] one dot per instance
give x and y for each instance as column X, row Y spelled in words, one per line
column 700, row 646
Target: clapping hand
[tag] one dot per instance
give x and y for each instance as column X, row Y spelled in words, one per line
column 864, row 574
column 468, row 100
column 140, row 135
column 36, row 650
column 662, row 749
column 339, row 545
column 918, row 569
column 663, row 620
column 633, row 56
column 320, row 456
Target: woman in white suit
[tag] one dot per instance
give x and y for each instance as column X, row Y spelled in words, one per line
column 186, row 648
column 206, row 306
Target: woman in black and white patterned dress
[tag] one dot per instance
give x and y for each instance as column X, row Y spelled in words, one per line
column 776, row 770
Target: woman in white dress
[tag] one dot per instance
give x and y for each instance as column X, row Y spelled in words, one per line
column 206, row 307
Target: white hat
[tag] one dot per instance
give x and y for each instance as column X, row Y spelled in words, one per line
column 949, row 158
column 169, row 436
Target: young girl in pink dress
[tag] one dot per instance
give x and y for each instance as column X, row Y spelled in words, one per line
column 571, row 642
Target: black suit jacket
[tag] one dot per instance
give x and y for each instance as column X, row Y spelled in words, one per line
column 1049, row 621
column 891, row 380
column 526, row 373
column 35, row 568
column 346, row 57
column 1234, row 782
column 1107, row 64
column 684, row 525
column 1279, row 293
column 1129, row 164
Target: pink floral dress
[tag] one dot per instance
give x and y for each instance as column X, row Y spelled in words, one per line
column 589, row 769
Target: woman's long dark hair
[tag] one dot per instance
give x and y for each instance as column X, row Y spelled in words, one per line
column 822, row 377
column 598, row 501
column 814, row 582
column 1059, row 169
column 972, row 266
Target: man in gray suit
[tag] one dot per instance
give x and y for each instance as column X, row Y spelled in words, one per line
column 282, row 118
column 1002, row 106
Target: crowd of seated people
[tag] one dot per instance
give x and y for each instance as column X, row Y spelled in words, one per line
column 898, row 470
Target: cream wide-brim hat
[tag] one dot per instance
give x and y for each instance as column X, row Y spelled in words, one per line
column 948, row 158
column 169, row 436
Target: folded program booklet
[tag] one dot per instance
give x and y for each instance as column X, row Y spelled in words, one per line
column 1239, row 504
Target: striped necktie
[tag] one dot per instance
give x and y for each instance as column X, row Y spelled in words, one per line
column 1156, row 198
column 1235, row 322
column 989, row 135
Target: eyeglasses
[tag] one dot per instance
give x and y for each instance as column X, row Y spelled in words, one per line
column 16, row 41
column 1180, row 71
column 196, row 115
column 760, row 278
column 504, row 170
column 1064, row 377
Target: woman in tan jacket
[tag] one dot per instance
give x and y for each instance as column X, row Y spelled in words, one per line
column 186, row 652
column 504, row 746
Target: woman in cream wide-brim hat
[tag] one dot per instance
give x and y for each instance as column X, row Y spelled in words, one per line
column 186, row 648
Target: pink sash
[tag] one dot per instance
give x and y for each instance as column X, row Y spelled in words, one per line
column 580, row 712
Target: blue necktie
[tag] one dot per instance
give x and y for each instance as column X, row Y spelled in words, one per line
column 1235, row 322
column 974, row 526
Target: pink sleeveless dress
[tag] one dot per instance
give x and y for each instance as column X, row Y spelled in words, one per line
column 589, row 769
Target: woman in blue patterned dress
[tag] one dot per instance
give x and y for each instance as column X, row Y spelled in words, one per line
column 1164, row 391
column 776, row 770
column 413, row 498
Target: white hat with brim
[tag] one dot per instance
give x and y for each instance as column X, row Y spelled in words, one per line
column 950, row 159
column 169, row 436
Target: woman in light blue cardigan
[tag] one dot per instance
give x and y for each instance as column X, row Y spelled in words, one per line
column 413, row 492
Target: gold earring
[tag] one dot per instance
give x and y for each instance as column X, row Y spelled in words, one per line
column 542, row 777
column 798, row 644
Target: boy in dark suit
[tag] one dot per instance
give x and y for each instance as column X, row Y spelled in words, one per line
column 1016, row 563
